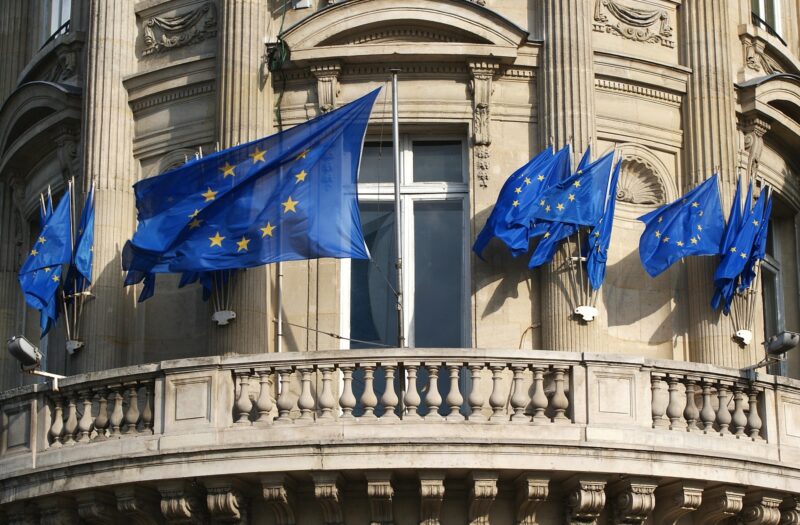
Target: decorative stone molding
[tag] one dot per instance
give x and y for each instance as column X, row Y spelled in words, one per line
column 481, row 88
column 790, row 510
column 761, row 508
column 67, row 152
column 754, row 130
column 327, row 75
column 675, row 500
column 278, row 491
column 56, row 510
column 532, row 490
column 633, row 23
column 482, row 495
column 97, row 507
column 634, row 500
column 585, row 501
column 349, row 70
column 226, row 501
column 398, row 34
column 625, row 87
column 66, row 69
column 719, row 503
column 168, row 32
column 431, row 493
column 173, row 95
column 326, row 491
column 380, row 493
column 756, row 58
column 639, row 182
column 182, row 503
column 139, row 505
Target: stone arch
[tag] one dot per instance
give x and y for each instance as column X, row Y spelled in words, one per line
column 644, row 181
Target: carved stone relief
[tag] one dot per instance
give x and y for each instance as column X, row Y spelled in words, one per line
column 327, row 76
column 754, row 130
column 68, row 158
column 640, row 182
column 756, row 58
column 277, row 489
column 585, row 501
column 161, row 33
column 640, row 25
column 531, row 491
column 431, row 493
column 482, row 496
column 481, row 88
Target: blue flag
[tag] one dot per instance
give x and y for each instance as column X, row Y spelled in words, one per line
column 586, row 159
column 40, row 274
column 289, row 196
column 600, row 238
column 79, row 275
column 579, row 199
column 691, row 225
column 760, row 246
column 728, row 238
column 519, row 188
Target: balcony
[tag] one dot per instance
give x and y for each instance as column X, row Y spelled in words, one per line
column 491, row 432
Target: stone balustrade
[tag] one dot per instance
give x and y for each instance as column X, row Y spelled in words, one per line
column 581, row 416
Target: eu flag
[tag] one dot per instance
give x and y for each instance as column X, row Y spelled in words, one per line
column 285, row 197
column 759, row 246
column 600, row 238
column 728, row 238
column 518, row 191
column 79, row 275
column 691, row 225
column 40, row 274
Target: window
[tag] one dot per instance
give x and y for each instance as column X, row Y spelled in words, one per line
column 772, row 291
column 57, row 14
column 767, row 15
column 434, row 220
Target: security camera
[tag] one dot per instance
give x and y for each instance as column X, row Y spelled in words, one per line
column 25, row 352
column 779, row 344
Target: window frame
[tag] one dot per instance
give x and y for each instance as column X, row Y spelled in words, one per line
column 771, row 265
column 761, row 6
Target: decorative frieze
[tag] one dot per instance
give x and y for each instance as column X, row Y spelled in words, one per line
column 482, row 495
column 174, row 95
column 585, row 501
column 162, row 33
column 431, row 494
column 640, row 25
column 481, row 88
column 625, row 87
column 327, row 75
column 278, row 492
column 532, row 490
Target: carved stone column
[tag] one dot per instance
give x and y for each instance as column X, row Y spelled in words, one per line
column 566, row 114
column 634, row 499
column 710, row 142
column 431, row 494
column 12, row 233
column 278, row 491
column 380, row 493
column 481, row 496
column 532, row 491
column 676, row 500
column 585, row 500
column 107, row 321
column 327, row 75
column 480, row 85
column 761, row 508
column 327, row 493
column 719, row 503
column 244, row 113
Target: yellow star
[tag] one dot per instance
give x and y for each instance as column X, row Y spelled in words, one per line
column 289, row 205
column 540, row 178
column 571, row 197
column 515, row 203
column 43, row 240
column 597, row 234
column 660, row 219
column 195, row 223
column 679, row 243
column 527, row 180
column 733, row 249
column 302, row 154
column 301, row 177
column 242, row 245
column 518, row 190
column 194, row 214
column 577, row 184
column 701, row 213
column 560, row 207
column 34, row 252
column 755, row 223
column 699, row 228
column 665, row 240
column 743, row 255
column 658, row 234
column 695, row 204
column 47, row 270
column 209, row 194
column 541, row 202
column 693, row 240
column 216, row 240
column 266, row 231
column 579, row 172
column 258, row 156
column 55, row 278
column 546, row 235
column 227, row 170
column 547, row 208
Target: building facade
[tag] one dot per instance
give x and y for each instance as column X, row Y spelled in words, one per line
column 503, row 408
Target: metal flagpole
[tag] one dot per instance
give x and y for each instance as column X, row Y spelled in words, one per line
column 401, row 340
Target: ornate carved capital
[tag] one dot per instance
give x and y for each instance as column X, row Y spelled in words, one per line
column 431, row 493
column 182, row 502
column 790, row 510
column 57, row 510
column 719, row 503
column 97, row 507
column 754, row 129
column 226, row 500
column 482, row 495
column 480, row 85
column 634, row 498
column 138, row 504
column 327, row 75
column 633, row 23
column 586, row 499
column 326, row 491
column 380, row 493
column 532, row 490
column 162, row 33
column 762, row 508
column 278, row 491
column 676, row 500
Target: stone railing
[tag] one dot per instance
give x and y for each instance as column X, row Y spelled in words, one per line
column 485, row 399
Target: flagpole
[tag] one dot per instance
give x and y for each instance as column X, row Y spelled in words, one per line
column 401, row 340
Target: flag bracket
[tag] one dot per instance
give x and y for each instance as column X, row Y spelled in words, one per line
column 73, row 345
column 744, row 337
column 223, row 317
column 586, row 313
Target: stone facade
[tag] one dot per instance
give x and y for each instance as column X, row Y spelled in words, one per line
column 644, row 414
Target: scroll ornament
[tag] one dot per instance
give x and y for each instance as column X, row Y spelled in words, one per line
column 164, row 33
column 632, row 23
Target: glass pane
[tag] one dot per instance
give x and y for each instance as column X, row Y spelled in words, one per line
column 769, row 281
column 437, row 161
column 439, row 275
column 769, row 14
column 377, row 163
column 373, row 314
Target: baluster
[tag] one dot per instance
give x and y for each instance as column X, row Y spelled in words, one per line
column 539, row 400
column 58, row 423
column 132, row 414
column 326, row 400
column 412, row 399
column 753, row 419
column 497, row 400
column 116, row 413
column 243, row 404
column 347, row 400
column 101, row 421
column 85, row 423
column 305, row 402
column 147, row 411
column 691, row 413
column 674, row 408
column 475, row 398
column 454, row 397
column 264, row 402
column 723, row 412
column 519, row 398
column 389, row 399
column 71, row 425
column 707, row 414
column 433, row 398
column 560, row 403
column 368, row 398
column 657, row 405
column 285, row 403
column 739, row 419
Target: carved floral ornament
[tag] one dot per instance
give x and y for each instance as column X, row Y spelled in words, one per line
column 633, row 23
column 162, row 33
column 640, row 182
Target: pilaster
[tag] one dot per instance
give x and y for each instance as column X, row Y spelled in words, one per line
column 481, row 87
column 16, row 43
